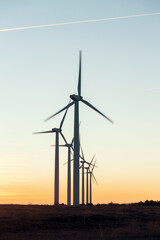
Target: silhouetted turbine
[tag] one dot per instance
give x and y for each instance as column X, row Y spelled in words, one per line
column 76, row 99
column 92, row 176
column 82, row 175
column 87, row 172
column 56, row 131
column 82, row 166
column 69, row 146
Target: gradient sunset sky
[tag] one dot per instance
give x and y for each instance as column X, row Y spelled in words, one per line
column 120, row 76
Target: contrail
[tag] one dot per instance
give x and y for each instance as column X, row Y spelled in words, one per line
column 76, row 22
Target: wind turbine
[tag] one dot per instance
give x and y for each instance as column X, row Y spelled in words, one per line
column 92, row 176
column 83, row 161
column 87, row 172
column 57, row 131
column 69, row 146
column 76, row 98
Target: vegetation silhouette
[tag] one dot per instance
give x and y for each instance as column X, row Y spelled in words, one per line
column 102, row 221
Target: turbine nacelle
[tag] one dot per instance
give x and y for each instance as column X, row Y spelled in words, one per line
column 56, row 130
column 68, row 145
column 75, row 97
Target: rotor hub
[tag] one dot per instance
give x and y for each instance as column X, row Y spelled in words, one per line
column 56, row 130
column 75, row 97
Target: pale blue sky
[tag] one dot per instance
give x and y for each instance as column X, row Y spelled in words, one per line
column 120, row 76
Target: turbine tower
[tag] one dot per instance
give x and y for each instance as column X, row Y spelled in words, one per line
column 75, row 102
column 82, row 176
column 57, row 131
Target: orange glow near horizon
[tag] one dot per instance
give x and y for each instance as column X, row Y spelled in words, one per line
column 41, row 193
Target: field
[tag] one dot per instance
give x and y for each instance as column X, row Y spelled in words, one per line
column 112, row 221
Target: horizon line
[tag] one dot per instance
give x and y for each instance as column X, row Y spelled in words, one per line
column 76, row 22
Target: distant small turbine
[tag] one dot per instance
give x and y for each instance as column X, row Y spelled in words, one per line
column 83, row 161
column 76, row 99
column 56, row 131
column 87, row 172
column 92, row 176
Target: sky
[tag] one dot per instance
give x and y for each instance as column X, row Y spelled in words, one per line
column 120, row 76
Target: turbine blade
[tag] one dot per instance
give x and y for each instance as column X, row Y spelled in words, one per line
column 87, row 162
column 91, row 160
column 81, row 157
column 91, row 106
column 60, row 111
column 58, row 145
column 42, row 132
column 67, row 162
column 72, row 141
column 94, row 178
column 93, row 166
column 79, row 77
column 63, row 137
column 61, row 124
column 82, row 152
column 90, row 164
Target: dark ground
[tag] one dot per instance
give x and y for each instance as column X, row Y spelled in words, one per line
column 44, row 222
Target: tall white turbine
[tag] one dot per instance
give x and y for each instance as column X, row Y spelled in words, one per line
column 76, row 99
column 56, row 131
